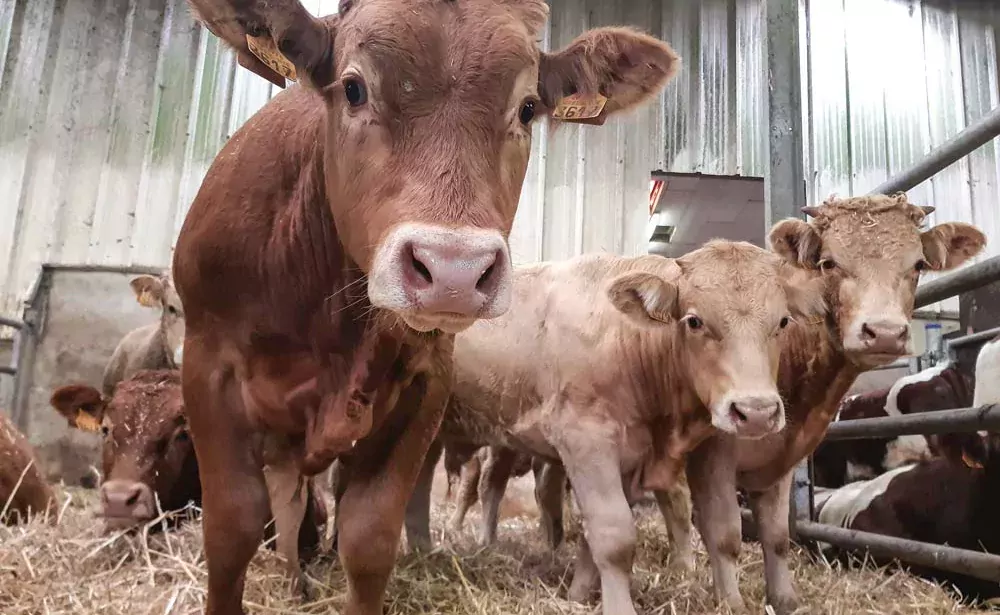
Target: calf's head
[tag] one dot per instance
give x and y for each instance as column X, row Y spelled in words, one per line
column 158, row 291
column 872, row 251
column 430, row 106
column 147, row 454
column 727, row 309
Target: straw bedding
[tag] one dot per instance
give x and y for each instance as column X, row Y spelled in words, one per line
column 72, row 567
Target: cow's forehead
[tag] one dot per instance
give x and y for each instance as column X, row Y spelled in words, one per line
column 432, row 43
column 733, row 281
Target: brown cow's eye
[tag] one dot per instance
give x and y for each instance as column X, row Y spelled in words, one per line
column 172, row 310
column 355, row 92
column 105, row 431
column 527, row 112
column 920, row 266
column 182, row 436
column 694, row 323
column 827, row 265
column 784, row 322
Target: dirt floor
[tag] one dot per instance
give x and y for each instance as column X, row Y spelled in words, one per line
column 72, row 567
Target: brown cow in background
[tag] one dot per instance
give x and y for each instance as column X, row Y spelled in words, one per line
column 149, row 463
column 158, row 345
column 24, row 492
column 347, row 230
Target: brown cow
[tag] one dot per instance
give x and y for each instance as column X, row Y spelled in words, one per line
column 24, row 491
column 596, row 348
column 347, row 229
column 870, row 252
column 158, row 345
column 940, row 387
column 149, row 463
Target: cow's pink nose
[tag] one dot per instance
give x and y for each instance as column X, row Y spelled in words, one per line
column 126, row 500
column 885, row 337
column 454, row 277
column 756, row 416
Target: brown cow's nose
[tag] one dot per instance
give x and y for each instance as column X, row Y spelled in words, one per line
column 885, row 337
column 127, row 501
column 457, row 279
column 756, row 416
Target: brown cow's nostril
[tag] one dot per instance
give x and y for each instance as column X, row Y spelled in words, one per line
column 485, row 278
column 421, row 269
column 739, row 416
column 867, row 333
column 906, row 333
column 132, row 499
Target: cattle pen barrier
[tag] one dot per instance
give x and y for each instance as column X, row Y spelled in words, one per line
column 22, row 352
column 976, row 564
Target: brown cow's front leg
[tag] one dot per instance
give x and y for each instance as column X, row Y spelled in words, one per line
column 467, row 492
column 589, row 451
column 418, row 511
column 770, row 509
column 289, row 494
column 371, row 512
column 234, row 495
column 550, row 477
column 712, row 478
column 492, row 485
column 675, row 506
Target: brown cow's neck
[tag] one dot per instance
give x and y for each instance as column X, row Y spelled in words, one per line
column 656, row 371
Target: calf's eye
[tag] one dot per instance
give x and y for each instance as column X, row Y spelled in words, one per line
column 784, row 322
column 827, row 265
column 527, row 112
column 355, row 92
column 694, row 323
column 920, row 266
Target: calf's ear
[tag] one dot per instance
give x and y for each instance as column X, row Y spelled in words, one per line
column 645, row 298
column 148, row 290
column 614, row 69
column 796, row 241
column 948, row 245
column 275, row 39
column 82, row 406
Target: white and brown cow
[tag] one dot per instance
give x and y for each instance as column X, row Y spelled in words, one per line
column 941, row 387
column 158, row 345
column 617, row 366
column 870, row 252
column 952, row 500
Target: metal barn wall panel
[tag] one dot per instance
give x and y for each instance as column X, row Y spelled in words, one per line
column 890, row 80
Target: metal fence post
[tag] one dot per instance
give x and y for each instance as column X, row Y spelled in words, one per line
column 785, row 185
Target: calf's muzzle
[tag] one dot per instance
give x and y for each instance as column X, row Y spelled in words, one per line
column 125, row 503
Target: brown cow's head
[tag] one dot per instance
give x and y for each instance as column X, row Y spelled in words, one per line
column 872, row 251
column 147, row 453
column 430, row 106
column 727, row 311
column 158, row 291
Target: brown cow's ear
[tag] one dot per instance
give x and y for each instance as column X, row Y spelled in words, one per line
column 276, row 39
column 796, row 241
column 148, row 290
column 645, row 298
column 948, row 245
column 82, row 406
column 604, row 71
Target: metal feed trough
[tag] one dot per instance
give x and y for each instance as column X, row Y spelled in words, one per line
column 785, row 197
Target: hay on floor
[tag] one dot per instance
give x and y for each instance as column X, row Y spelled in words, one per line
column 71, row 567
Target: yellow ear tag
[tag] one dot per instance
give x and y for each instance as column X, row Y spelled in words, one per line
column 975, row 465
column 264, row 48
column 581, row 109
column 86, row 421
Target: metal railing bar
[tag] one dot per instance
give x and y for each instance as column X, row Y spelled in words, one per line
column 958, row 420
column 943, row 156
column 4, row 369
column 963, row 561
column 10, row 322
column 963, row 280
column 974, row 338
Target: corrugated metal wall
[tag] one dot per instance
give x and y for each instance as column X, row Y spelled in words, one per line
column 111, row 111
